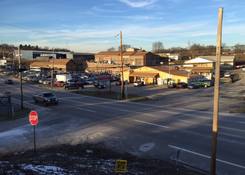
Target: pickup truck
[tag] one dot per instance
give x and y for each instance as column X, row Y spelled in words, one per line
column 46, row 98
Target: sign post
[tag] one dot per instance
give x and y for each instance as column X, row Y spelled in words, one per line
column 33, row 119
column 121, row 166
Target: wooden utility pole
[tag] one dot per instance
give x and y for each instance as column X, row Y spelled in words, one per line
column 20, row 74
column 122, row 68
column 216, row 94
column 52, row 73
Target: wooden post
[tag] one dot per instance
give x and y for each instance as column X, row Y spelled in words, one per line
column 122, row 71
column 216, row 95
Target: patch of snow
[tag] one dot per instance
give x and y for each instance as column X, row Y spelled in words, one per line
column 12, row 133
column 89, row 151
column 146, row 147
column 44, row 169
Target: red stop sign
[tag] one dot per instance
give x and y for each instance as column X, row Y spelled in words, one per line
column 33, row 118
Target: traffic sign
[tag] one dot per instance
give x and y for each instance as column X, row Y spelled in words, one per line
column 121, row 166
column 33, row 118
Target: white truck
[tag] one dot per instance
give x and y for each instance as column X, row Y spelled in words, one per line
column 63, row 77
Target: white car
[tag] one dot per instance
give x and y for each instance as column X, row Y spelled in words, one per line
column 139, row 83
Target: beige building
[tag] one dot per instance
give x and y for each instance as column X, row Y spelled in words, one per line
column 156, row 74
column 200, row 66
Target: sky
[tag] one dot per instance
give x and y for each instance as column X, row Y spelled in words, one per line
column 93, row 25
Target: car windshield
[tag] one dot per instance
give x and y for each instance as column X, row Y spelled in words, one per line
column 48, row 95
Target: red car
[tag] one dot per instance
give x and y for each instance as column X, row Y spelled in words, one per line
column 59, row 84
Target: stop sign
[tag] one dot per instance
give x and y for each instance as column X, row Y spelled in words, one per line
column 33, row 118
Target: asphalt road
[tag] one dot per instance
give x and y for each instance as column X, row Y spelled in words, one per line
column 145, row 129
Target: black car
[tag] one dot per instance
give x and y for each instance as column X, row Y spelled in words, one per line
column 99, row 85
column 172, row 85
column 46, row 98
column 181, row 85
column 9, row 81
column 72, row 86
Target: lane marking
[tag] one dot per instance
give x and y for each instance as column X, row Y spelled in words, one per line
column 207, row 157
column 152, row 124
column 195, row 133
column 88, row 110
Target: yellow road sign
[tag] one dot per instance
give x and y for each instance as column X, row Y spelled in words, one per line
column 121, row 166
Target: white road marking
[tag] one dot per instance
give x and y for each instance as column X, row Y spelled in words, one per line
column 208, row 157
column 194, row 133
column 152, row 124
column 83, row 109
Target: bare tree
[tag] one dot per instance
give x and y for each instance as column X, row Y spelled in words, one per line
column 125, row 47
column 111, row 49
column 157, row 47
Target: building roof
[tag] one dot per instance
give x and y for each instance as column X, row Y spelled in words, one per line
column 198, row 60
column 127, row 53
column 209, row 59
column 172, row 70
column 144, row 74
column 223, row 58
column 49, row 63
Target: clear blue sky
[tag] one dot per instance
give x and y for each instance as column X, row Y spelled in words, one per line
column 91, row 25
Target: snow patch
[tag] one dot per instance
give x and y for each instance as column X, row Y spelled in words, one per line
column 44, row 169
column 13, row 132
column 146, row 147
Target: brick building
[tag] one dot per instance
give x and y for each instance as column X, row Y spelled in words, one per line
column 132, row 58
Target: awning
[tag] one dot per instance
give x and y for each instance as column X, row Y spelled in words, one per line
column 144, row 74
column 201, row 70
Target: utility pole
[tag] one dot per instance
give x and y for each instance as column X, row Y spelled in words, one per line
column 52, row 73
column 216, row 94
column 122, row 71
column 20, row 74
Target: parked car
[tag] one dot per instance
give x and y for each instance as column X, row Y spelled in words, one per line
column 59, row 84
column 69, row 86
column 89, row 82
column 99, row 85
column 172, row 85
column 194, row 85
column 206, row 83
column 181, row 85
column 139, row 83
column 47, row 82
column 46, row 98
column 9, row 81
column 228, row 74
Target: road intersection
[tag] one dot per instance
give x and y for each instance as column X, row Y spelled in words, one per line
column 129, row 126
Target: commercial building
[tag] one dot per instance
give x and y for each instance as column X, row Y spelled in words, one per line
column 200, row 66
column 225, row 60
column 130, row 57
column 59, row 65
column 96, row 67
column 33, row 54
column 156, row 75
column 205, row 65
